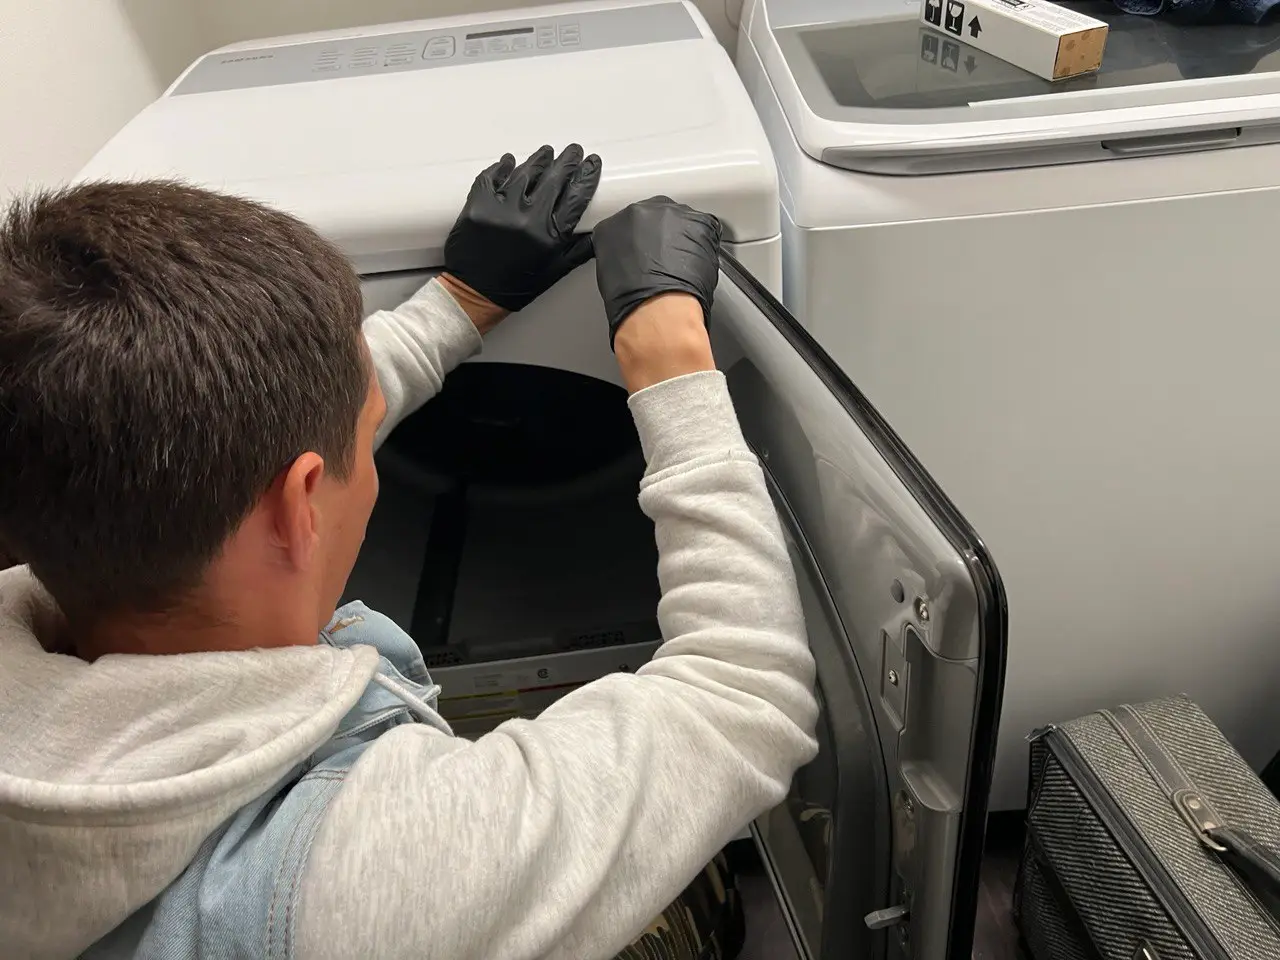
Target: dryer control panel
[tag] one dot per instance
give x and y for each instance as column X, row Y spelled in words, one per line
column 426, row 49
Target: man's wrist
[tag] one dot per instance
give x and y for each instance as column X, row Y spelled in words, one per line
column 664, row 338
column 483, row 313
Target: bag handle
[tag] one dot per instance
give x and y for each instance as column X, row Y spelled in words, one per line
column 1257, row 865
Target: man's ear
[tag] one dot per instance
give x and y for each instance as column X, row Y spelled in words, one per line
column 295, row 513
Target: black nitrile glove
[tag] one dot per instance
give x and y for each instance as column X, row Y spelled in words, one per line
column 652, row 247
column 514, row 238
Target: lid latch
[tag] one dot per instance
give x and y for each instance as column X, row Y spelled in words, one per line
column 888, row 917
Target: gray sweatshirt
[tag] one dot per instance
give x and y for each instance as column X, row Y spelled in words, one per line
column 556, row 837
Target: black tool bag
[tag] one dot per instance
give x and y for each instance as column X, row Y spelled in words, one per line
column 1148, row 838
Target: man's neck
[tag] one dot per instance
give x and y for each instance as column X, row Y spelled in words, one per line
column 152, row 633
column 190, row 629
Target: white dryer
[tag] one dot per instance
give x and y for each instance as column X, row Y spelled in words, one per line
column 1061, row 297
column 507, row 538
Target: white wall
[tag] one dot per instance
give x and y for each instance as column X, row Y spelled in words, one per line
column 72, row 72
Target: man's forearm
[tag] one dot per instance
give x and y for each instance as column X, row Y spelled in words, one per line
column 483, row 313
column 415, row 345
column 663, row 338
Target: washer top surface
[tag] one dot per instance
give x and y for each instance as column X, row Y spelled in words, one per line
column 374, row 136
column 881, row 92
column 898, row 65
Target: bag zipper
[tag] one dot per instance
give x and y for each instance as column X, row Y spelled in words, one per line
column 1189, row 923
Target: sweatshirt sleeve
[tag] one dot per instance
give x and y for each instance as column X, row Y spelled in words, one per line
column 414, row 346
column 562, row 837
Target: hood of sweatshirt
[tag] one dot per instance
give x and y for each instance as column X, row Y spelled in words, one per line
column 113, row 773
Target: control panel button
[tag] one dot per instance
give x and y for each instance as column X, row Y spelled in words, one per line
column 399, row 61
column 498, row 45
column 569, row 36
column 472, row 49
column 522, row 43
column 439, row 48
column 546, row 37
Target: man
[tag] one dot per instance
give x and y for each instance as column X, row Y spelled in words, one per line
column 191, row 406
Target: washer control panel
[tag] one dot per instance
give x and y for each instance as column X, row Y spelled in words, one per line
column 425, row 49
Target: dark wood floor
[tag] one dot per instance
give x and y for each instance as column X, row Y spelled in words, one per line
column 767, row 935
column 995, row 936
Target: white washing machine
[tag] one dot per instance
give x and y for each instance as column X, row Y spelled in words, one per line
column 507, row 538
column 1061, row 297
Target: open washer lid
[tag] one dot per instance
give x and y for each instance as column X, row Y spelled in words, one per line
column 374, row 136
column 878, row 91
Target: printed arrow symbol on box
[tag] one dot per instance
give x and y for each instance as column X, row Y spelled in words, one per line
column 975, row 27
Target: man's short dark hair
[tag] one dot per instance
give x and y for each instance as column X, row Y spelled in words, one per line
column 165, row 352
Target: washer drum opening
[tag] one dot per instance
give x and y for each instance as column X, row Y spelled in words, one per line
column 507, row 524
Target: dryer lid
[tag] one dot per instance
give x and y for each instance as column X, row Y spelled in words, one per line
column 882, row 92
column 374, row 136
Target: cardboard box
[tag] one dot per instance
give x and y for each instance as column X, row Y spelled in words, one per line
column 1041, row 37
column 947, row 64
